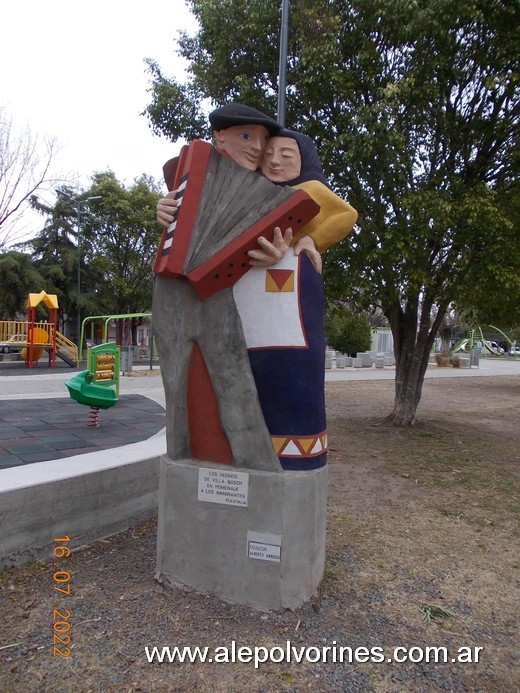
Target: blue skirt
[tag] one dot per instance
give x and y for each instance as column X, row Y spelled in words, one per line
column 290, row 378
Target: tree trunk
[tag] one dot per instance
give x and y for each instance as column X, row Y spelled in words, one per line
column 413, row 339
column 446, row 334
column 409, row 380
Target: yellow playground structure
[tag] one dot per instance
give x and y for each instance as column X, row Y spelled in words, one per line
column 37, row 337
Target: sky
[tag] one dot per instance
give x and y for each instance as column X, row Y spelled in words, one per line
column 75, row 72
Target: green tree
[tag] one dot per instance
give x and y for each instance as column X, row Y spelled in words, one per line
column 347, row 331
column 55, row 255
column 121, row 240
column 414, row 107
column 490, row 293
column 119, row 236
column 18, row 278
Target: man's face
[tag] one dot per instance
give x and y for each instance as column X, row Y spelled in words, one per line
column 282, row 159
column 245, row 144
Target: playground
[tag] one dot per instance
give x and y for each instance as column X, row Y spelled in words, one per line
column 32, row 337
column 58, row 428
column 38, row 337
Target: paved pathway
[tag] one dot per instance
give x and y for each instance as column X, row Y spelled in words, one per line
column 487, row 367
column 32, row 430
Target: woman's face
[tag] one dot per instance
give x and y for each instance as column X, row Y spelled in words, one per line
column 282, row 159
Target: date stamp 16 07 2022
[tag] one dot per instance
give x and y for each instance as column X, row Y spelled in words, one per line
column 61, row 616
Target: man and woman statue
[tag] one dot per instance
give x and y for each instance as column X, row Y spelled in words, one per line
column 244, row 369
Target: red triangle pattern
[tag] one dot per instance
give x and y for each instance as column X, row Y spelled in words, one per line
column 279, row 276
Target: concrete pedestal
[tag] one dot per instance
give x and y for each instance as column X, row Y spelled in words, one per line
column 261, row 544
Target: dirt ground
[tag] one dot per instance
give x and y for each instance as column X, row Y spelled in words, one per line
column 422, row 552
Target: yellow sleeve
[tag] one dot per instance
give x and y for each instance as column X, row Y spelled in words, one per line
column 333, row 222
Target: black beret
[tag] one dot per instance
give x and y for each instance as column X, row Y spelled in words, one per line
column 238, row 114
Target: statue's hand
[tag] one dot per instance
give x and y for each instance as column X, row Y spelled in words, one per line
column 306, row 245
column 167, row 208
column 271, row 253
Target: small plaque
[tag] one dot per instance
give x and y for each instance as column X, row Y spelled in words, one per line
column 264, row 547
column 225, row 487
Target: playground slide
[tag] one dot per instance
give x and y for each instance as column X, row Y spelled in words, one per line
column 40, row 336
column 37, row 352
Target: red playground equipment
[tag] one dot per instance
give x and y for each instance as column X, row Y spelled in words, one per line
column 39, row 336
column 42, row 334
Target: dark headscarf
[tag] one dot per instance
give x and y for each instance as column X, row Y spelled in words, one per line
column 311, row 168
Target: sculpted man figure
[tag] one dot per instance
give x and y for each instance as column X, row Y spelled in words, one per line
column 186, row 327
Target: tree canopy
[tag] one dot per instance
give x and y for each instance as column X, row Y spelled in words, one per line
column 19, row 277
column 118, row 239
column 414, row 107
column 347, row 331
column 121, row 240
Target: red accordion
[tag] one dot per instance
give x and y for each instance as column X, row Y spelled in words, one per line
column 223, row 209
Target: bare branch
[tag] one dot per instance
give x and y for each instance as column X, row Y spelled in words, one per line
column 25, row 164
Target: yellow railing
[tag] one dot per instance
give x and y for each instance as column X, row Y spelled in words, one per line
column 67, row 347
column 18, row 329
column 12, row 328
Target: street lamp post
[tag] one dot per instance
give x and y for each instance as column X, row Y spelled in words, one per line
column 282, row 65
column 79, row 203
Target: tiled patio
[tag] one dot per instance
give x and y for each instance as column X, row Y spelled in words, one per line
column 35, row 430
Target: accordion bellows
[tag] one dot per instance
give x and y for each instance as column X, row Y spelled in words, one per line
column 223, row 209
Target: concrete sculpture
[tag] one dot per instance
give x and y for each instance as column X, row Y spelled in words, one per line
column 232, row 522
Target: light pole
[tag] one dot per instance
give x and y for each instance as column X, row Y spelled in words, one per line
column 79, row 203
column 282, row 65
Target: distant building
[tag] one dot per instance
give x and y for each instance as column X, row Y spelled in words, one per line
column 382, row 340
